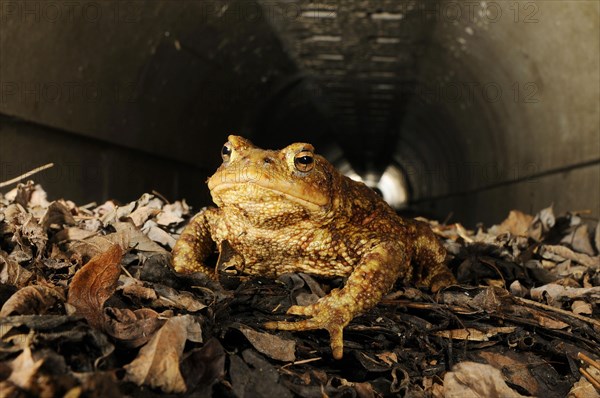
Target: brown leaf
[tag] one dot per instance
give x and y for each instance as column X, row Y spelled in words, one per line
column 73, row 234
column 473, row 334
column 555, row 294
column 34, row 299
column 169, row 297
column 142, row 214
column 580, row 307
column 25, row 369
column 204, row 366
column 132, row 287
column 579, row 240
column 271, row 345
column 90, row 247
column 94, row 283
column 532, row 373
column 9, row 390
column 11, row 273
column 584, row 389
column 542, row 223
column 516, row 223
column 476, row 380
column 29, row 234
column 137, row 239
column 561, row 253
column 134, row 328
column 254, row 376
column 157, row 364
column 172, row 213
column 159, row 235
column 96, row 385
column 57, row 214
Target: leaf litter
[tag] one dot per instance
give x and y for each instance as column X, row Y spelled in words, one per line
column 89, row 305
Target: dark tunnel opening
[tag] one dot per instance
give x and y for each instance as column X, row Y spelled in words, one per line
column 445, row 107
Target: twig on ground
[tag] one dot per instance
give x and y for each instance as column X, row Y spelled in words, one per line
column 28, row 174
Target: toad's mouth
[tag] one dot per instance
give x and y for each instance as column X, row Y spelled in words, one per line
column 254, row 191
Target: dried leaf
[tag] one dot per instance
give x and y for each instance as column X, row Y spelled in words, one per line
column 24, row 370
column 204, row 366
column 172, row 214
column 474, row 334
column 159, row 235
column 132, row 287
column 271, row 345
column 114, row 213
column 549, row 322
column 527, row 370
column 476, row 380
column 34, row 299
column 28, row 234
column 98, row 244
column 11, row 273
column 157, row 364
column 517, row 289
column 517, row 223
column 580, row 307
column 561, row 253
column 579, row 240
column 95, row 385
column 142, row 214
column 542, row 223
column 134, row 328
column 94, row 283
column 58, row 215
column 255, row 377
column 463, row 233
column 583, row 389
column 137, row 239
column 557, row 293
column 169, row 297
column 73, row 233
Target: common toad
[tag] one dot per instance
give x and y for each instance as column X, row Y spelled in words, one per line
column 292, row 211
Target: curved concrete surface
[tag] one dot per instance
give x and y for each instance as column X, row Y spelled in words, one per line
column 485, row 106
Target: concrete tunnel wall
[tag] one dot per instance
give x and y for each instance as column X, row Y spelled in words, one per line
column 504, row 113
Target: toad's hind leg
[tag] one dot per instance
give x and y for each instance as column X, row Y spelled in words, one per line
column 430, row 268
column 370, row 280
column 195, row 245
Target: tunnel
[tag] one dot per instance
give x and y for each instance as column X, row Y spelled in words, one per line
column 458, row 110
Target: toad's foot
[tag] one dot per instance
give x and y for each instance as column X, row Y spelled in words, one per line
column 325, row 314
column 370, row 280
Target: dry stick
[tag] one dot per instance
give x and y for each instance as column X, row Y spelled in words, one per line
column 558, row 310
column 29, row 173
column 590, row 378
column 161, row 196
column 588, row 360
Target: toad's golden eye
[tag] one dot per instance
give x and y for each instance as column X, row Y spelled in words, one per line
column 226, row 152
column 304, row 161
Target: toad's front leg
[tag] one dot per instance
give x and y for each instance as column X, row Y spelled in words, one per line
column 195, row 244
column 370, row 280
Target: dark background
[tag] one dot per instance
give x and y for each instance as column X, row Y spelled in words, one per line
column 484, row 107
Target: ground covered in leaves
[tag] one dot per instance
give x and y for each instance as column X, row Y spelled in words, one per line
column 91, row 307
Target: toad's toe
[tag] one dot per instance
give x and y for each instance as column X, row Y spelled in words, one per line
column 306, row 310
column 323, row 317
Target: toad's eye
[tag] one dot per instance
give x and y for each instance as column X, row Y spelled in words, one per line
column 226, row 152
column 304, row 161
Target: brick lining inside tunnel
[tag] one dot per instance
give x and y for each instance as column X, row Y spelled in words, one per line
column 484, row 106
